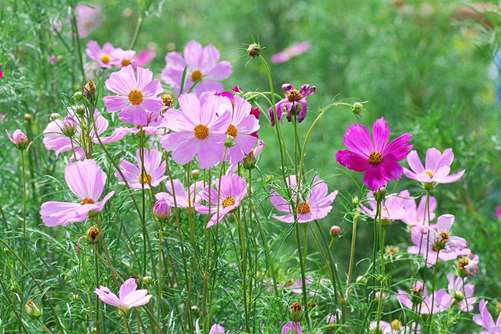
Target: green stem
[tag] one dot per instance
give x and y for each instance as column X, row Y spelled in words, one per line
column 137, row 30
column 126, row 323
column 353, row 247
column 77, row 41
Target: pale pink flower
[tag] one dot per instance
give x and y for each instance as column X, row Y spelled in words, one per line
column 122, row 58
column 394, row 206
column 287, row 54
column 417, row 215
column 292, row 327
column 128, row 297
column 183, row 198
column 18, row 138
column 463, row 294
column 88, row 19
column 442, row 301
column 216, row 329
column 436, row 169
column 86, row 180
column 485, row 320
column 103, row 56
column 154, row 170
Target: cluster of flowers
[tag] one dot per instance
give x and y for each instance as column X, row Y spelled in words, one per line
column 214, row 126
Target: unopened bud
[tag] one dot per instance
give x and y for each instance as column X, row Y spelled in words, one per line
column 78, row 97
column 256, row 112
column 79, row 109
column 336, row 230
column 28, row 117
column 254, row 50
column 89, row 90
column 249, row 161
column 380, row 194
column 93, row 234
column 69, row 126
column 296, row 311
column 229, row 141
column 167, row 100
column 195, row 173
column 32, row 309
column 355, row 200
column 161, row 209
column 19, row 139
column 147, row 280
column 396, row 325
column 357, row 108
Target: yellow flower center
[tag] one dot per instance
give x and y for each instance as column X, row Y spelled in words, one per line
column 87, row 200
column 375, row 158
column 126, row 62
column 105, row 58
column 232, row 131
column 228, row 201
column 145, row 178
column 303, row 208
column 396, row 325
column 196, row 75
column 135, row 97
column 201, row 131
column 429, row 173
column 444, row 236
column 294, row 96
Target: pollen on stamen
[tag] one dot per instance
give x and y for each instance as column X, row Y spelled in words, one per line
column 126, row 62
column 105, row 58
column 232, row 131
column 87, row 200
column 145, row 178
column 375, row 158
column 303, row 208
column 196, row 75
column 201, row 131
column 228, row 201
column 294, row 96
column 429, row 173
column 135, row 97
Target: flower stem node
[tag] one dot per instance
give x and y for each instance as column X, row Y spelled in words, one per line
column 254, row 50
column 80, row 110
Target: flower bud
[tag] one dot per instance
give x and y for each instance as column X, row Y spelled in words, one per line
column 296, row 312
column 93, row 234
column 147, row 280
column 161, row 209
column 396, row 325
column 79, row 109
column 19, row 139
column 357, row 108
column 458, row 296
column 167, row 100
column 391, row 250
column 28, row 117
column 256, row 112
column 254, row 50
column 195, row 173
column 69, row 126
column 229, row 141
column 355, row 201
column 236, row 89
column 380, row 194
column 336, row 230
column 249, row 161
column 78, row 97
column 89, row 90
column 32, row 309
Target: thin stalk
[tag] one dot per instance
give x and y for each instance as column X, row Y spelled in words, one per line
column 98, row 304
column 434, row 284
column 143, row 198
column 137, row 30
column 353, row 247
column 23, row 177
column 126, row 323
column 78, row 49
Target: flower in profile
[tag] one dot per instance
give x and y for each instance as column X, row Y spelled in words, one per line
column 374, row 155
column 421, row 301
column 183, row 199
column 216, row 329
column 333, row 318
column 463, row 294
column 222, row 198
column 485, row 320
column 436, row 169
column 128, row 297
column 467, row 265
column 204, row 71
column 88, row 19
column 86, row 180
column 435, row 242
column 103, row 56
column 315, row 205
column 145, row 56
column 241, row 129
column 292, row 51
column 19, row 138
column 137, row 95
column 292, row 327
column 294, row 103
column 122, row 58
column 154, row 170
column 418, row 215
column 161, row 209
column 199, row 128
column 394, row 206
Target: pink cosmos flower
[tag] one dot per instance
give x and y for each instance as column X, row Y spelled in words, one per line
column 86, row 180
column 154, row 170
column 250, row 159
column 216, row 329
column 294, row 102
column 435, row 242
column 128, row 297
column 184, row 199
column 468, row 265
column 145, row 56
column 103, row 56
column 241, row 129
column 296, row 286
column 161, row 209
column 287, row 54
column 485, row 320
column 386, row 328
column 232, row 190
column 418, row 215
column 423, row 300
column 464, row 295
column 137, row 95
column 292, row 327
column 374, row 156
column 394, row 206
column 88, row 19
column 18, row 138
column 315, row 205
column 122, row 58
column 199, row 128
column 436, row 169
column 204, row 71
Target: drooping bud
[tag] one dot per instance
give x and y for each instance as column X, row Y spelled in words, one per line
column 161, row 209
column 69, row 126
column 296, row 311
column 32, row 309
column 254, row 50
column 357, row 108
column 89, row 90
column 19, row 139
column 336, row 230
column 380, row 194
column 93, row 234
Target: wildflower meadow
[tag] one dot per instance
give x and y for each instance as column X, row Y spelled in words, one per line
column 250, row 167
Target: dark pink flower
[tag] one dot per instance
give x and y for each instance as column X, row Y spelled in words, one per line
column 436, row 169
column 294, row 102
column 498, row 212
column 374, row 155
column 161, row 209
column 287, row 54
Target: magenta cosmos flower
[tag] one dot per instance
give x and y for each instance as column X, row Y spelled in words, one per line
column 374, row 155
column 422, row 300
column 199, row 128
column 435, row 242
column 315, row 205
column 137, row 94
column 216, row 329
column 436, row 169
column 292, row 327
column 86, row 180
column 221, row 198
column 498, row 212
column 154, row 170
column 183, row 198
column 394, row 206
column 294, row 103
column 485, row 320
column 463, row 294
column 128, row 297
column 204, row 71
column 417, row 215
column 287, row 54
column 103, row 56
column 88, row 19
column 241, row 129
